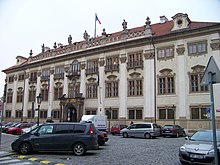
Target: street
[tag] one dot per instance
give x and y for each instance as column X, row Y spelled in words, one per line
column 117, row 151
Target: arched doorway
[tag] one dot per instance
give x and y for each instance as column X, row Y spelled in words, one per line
column 71, row 114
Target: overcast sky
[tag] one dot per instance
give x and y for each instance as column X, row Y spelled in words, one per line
column 27, row 24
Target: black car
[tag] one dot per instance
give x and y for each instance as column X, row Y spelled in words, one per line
column 76, row 137
column 173, row 130
column 102, row 137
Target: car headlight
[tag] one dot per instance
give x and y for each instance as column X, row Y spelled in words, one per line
column 182, row 148
column 211, row 152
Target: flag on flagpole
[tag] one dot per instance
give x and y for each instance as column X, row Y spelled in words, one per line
column 97, row 19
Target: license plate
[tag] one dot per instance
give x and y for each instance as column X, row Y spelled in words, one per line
column 167, row 131
column 196, row 156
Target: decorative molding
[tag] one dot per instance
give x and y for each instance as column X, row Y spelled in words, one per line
column 39, row 73
column 83, row 65
column 66, row 68
column 101, row 61
column 112, row 77
column 198, row 68
column 180, row 50
column 123, row 59
column 215, row 44
column 26, row 75
column 15, row 77
column 149, row 55
column 51, row 71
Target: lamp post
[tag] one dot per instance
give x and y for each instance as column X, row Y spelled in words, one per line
column 39, row 99
column 109, row 117
column 174, row 110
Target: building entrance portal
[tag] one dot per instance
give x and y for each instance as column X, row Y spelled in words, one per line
column 71, row 114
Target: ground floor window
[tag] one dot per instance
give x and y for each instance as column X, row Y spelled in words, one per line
column 43, row 114
column 55, row 114
column 135, row 114
column 18, row 114
column 166, row 113
column 91, row 112
column 111, row 113
column 8, row 114
column 30, row 114
column 199, row 112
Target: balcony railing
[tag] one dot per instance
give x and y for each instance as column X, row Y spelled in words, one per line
column 58, row 75
column 92, row 70
column 135, row 64
column 111, row 68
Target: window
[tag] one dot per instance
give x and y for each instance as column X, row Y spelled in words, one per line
column 111, row 89
column 165, row 53
column 46, row 129
column 197, row 48
column 166, row 113
column 32, row 94
column 91, row 112
column 195, row 86
column 18, row 114
column 79, row 128
column 92, row 67
column 58, row 92
column 112, row 64
column 56, row 114
column 20, row 95
column 8, row 114
column 11, row 79
column 64, row 129
column 199, row 112
column 45, row 74
column 33, row 76
column 135, row 114
column 112, row 114
column 43, row 114
column 74, row 68
column 135, row 87
column 166, row 85
column 59, row 72
column 31, row 114
column 45, row 92
column 73, row 89
column 135, row 60
column 9, row 96
column 20, row 77
column 91, row 90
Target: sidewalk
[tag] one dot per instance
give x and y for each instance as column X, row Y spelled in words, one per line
column 5, row 153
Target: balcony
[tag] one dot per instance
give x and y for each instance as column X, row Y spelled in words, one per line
column 111, row 68
column 135, row 64
column 94, row 70
column 58, row 75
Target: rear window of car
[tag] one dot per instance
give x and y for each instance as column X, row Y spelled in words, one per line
column 168, row 126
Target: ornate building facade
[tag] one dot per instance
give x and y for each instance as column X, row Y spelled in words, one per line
column 149, row 73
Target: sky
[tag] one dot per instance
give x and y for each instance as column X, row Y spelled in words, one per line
column 28, row 24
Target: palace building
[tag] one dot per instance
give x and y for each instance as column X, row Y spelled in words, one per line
column 149, row 73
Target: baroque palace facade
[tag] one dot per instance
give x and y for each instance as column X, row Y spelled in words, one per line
column 149, row 73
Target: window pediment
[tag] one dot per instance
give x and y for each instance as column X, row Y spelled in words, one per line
column 198, row 68
column 91, row 80
column 112, row 77
column 135, row 74
column 166, row 71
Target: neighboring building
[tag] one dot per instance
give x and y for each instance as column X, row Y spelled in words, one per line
column 149, row 73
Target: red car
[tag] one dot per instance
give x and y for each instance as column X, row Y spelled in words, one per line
column 116, row 128
column 18, row 128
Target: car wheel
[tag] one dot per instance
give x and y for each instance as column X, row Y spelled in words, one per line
column 147, row 136
column 79, row 149
column 125, row 134
column 25, row 149
column 14, row 132
column 177, row 135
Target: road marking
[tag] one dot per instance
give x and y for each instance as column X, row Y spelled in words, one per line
column 45, row 162
column 33, row 159
column 21, row 157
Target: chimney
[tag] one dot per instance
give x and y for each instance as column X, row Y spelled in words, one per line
column 163, row 19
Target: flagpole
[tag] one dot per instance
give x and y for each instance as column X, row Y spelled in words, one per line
column 95, row 26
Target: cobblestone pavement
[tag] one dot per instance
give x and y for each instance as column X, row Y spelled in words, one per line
column 120, row 151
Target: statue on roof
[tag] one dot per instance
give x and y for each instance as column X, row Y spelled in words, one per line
column 43, row 48
column 86, row 36
column 124, row 25
column 104, row 32
column 55, row 45
column 31, row 52
column 70, row 39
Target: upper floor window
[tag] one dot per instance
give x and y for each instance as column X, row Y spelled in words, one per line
column 20, row 95
column 112, row 64
column 45, row 92
column 91, row 90
column 165, row 53
column 32, row 94
column 20, row 77
column 9, row 96
column 33, row 76
column 197, row 48
column 135, row 87
column 92, row 67
column 58, row 91
column 73, row 89
column 45, row 74
column 111, row 89
column 135, row 60
column 11, row 79
column 195, row 78
column 74, row 67
column 59, row 72
column 166, row 82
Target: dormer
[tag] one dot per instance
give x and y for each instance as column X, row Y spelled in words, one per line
column 20, row 60
column 180, row 21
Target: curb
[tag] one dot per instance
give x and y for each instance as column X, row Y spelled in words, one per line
column 6, row 153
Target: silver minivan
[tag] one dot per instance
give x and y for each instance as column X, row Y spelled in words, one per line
column 142, row 130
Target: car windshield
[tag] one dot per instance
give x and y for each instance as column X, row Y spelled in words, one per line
column 205, row 136
column 168, row 126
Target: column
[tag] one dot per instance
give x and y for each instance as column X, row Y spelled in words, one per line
column 26, row 94
column 14, row 97
column 101, row 89
column 149, row 84
column 38, row 90
column 65, row 82
column 123, row 87
column 83, row 79
column 51, row 93
column 181, row 82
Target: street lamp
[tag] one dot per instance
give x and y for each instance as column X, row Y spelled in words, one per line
column 39, row 99
column 109, row 117
column 174, row 110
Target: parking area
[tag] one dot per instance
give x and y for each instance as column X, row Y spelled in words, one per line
column 118, row 150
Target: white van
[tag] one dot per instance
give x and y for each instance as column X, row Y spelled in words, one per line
column 142, row 130
column 100, row 122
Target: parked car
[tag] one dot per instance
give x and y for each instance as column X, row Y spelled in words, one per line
column 198, row 149
column 28, row 129
column 102, row 137
column 76, row 137
column 17, row 129
column 173, row 130
column 116, row 128
column 8, row 125
column 143, row 130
